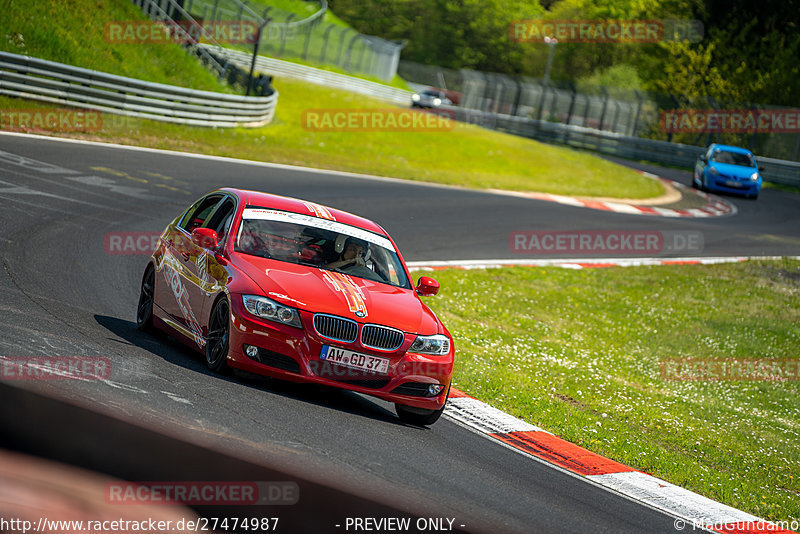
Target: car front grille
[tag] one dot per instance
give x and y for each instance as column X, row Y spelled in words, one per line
column 336, row 328
column 381, row 337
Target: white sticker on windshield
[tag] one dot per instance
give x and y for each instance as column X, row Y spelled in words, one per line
column 324, row 224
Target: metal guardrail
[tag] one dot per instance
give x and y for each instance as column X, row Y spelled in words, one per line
column 47, row 81
column 615, row 144
column 278, row 67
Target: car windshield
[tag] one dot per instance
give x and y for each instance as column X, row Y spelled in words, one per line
column 321, row 243
column 733, row 158
column 431, row 92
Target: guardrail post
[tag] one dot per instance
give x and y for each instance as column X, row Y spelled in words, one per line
column 214, row 12
column 310, row 28
column 675, row 105
column 255, row 55
column 286, row 33
column 796, row 148
column 714, row 106
column 357, row 68
column 638, row 113
column 605, row 107
column 541, row 101
column 350, row 51
column 753, row 135
column 325, row 42
column 339, row 60
column 517, row 96
column 616, row 115
column 571, row 102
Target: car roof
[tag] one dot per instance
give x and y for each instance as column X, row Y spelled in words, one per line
column 730, row 148
column 296, row 205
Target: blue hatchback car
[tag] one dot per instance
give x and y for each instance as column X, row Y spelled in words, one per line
column 727, row 169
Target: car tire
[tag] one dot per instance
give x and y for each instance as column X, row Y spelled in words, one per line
column 419, row 416
column 218, row 341
column 144, row 311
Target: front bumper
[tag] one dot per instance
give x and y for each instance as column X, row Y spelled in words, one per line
column 733, row 186
column 293, row 354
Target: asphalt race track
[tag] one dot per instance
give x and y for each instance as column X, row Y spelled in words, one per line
column 65, row 295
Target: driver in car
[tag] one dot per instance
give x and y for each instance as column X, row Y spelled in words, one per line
column 351, row 256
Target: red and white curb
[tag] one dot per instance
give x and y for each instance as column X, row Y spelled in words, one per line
column 714, row 207
column 692, row 511
column 581, row 263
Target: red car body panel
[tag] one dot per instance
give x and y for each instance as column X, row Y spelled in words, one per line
column 189, row 279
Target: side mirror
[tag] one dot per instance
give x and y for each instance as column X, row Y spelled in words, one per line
column 760, row 168
column 427, row 286
column 205, row 238
column 703, row 158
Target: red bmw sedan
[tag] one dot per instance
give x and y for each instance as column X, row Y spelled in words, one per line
column 302, row 292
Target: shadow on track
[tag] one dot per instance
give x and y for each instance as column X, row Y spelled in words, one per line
column 173, row 351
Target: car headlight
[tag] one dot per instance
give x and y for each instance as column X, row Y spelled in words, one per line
column 713, row 170
column 437, row 344
column 437, row 101
column 415, row 98
column 754, row 177
column 271, row 310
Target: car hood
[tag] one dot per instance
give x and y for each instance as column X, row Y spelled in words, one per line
column 322, row 291
column 734, row 170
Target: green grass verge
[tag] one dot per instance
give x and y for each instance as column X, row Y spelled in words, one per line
column 578, row 353
column 73, row 32
column 465, row 156
column 782, row 187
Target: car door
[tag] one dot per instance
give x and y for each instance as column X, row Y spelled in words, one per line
column 206, row 274
column 180, row 274
column 700, row 169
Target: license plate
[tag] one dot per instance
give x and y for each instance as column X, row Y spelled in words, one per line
column 731, row 183
column 356, row 360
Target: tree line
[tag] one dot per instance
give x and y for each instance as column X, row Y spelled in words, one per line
column 748, row 52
